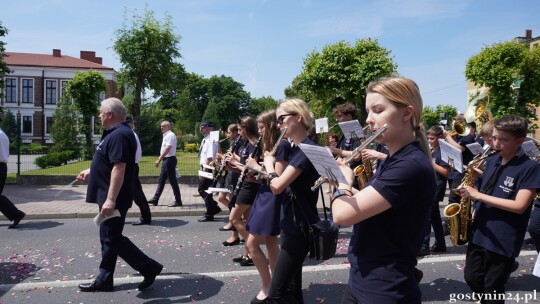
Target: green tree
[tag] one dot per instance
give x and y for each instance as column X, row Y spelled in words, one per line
column 261, row 104
column 432, row 116
column 4, row 70
column 147, row 49
column 500, row 67
column 340, row 73
column 9, row 125
column 64, row 130
column 84, row 90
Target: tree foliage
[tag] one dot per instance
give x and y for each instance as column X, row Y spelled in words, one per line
column 432, row 116
column 9, row 125
column 147, row 49
column 4, row 70
column 64, row 128
column 84, row 90
column 340, row 73
column 498, row 67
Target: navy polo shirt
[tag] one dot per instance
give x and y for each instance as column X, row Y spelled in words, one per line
column 383, row 248
column 498, row 230
column 439, row 178
column 292, row 221
column 246, row 151
column 349, row 145
column 466, row 155
column 118, row 145
column 283, row 151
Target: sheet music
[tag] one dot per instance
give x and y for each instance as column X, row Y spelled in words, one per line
column 449, row 151
column 323, row 161
column 211, row 190
column 207, row 175
column 536, row 269
column 100, row 218
column 321, row 124
column 475, row 148
column 530, row 148
column 352, row 126
column 214, row 136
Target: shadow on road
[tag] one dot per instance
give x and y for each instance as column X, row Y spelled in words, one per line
column 14, row 273
column 37, row 225
column 169, row 222
column 324, row 293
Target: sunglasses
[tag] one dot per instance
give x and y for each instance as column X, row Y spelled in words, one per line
column 280, row 118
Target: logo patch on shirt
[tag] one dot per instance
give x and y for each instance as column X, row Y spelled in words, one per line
column 509, row 181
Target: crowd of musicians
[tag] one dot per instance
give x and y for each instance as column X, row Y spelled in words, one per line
column 391, row 213
column 391, row 202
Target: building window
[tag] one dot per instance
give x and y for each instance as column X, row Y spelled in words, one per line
column 50, row 91
column 28, row 90
column 48, row 124
column 11, row 90
column 27, row 124
column 97, row 126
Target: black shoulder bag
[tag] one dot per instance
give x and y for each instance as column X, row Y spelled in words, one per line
column 322, row 235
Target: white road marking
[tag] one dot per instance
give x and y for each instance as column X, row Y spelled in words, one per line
column 224, row 274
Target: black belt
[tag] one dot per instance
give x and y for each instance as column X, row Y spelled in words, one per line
column 168, row 157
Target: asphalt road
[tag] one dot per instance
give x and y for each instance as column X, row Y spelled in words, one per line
column 44, row 260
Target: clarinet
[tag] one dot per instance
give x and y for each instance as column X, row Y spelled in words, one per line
column 253, row 154
column 223, row 164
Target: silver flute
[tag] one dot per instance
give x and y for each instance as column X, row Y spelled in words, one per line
column 321, row 180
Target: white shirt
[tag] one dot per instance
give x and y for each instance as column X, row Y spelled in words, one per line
column 138, row 153
column 169, row 140
column 4, row 147
column 208, row 150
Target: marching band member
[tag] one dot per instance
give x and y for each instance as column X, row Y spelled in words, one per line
column 299, row 175
column 390, row 214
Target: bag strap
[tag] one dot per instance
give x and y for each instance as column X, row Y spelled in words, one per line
column 293, row 205
column 323, row 204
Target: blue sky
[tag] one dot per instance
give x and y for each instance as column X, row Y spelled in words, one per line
column 263, row 44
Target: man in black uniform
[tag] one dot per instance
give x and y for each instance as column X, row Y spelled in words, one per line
column 111, row 187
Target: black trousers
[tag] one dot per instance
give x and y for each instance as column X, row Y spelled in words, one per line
column 168, row 171
column 7, row 207
column 486, row 272
column 114, row 245
column 435, row 221
column 286, row 285
column 534, row 225
column 209, row 203
column 139, row 198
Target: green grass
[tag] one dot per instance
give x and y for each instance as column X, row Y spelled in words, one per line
column 188, row 163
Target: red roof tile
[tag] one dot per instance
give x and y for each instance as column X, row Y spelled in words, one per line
column 27, row 59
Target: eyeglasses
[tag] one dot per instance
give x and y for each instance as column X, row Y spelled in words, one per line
column 280, row 118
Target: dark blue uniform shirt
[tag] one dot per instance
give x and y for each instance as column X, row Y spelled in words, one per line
column 118, row 145
column 292, row 221
column 498, row 230
column 384, row 248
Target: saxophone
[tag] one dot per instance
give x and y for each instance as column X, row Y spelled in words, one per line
column 364, row 171
column 459, row 217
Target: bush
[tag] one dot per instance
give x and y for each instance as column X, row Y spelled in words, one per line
column 54, row 159
column 33, row 149
column 191, row 148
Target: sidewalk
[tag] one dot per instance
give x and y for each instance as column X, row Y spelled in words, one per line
column 56, row 201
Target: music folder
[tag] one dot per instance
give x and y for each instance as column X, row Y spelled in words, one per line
column 324, row 162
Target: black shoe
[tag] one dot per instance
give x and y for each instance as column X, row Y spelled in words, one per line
column 235, row 242
column 206, row 218
column 153, row 202
column 424, row 251
column 247, row 262
column 141, row 222
column 91, row 287
column 515, row 266
column 150, row 278
column 418, row 275
column 257, row 301
column 242, row 241
column 175, row 204
column 227, row 229
column 17, row 221
column 239, row 259
column 437, row 249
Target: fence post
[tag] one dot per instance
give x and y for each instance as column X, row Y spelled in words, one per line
column 18, row 144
